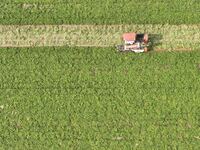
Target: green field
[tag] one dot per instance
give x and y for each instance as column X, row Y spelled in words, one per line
column 72, row 97
column 96, row 98
column 98, row 12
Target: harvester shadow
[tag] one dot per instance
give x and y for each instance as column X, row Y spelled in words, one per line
column 154, row 40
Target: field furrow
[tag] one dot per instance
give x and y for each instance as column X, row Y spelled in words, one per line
column 162, row 37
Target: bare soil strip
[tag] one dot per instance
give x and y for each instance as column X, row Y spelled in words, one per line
column 162, row 37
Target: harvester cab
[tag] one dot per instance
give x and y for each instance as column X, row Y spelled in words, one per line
column 134, row 42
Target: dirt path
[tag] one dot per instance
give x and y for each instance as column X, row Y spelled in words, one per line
column 163, row 37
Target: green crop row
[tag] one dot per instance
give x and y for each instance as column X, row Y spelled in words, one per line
column 79, row 98
column 100, row 12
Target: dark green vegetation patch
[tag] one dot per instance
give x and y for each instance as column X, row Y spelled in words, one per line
column 83, row 98
column 100, row 12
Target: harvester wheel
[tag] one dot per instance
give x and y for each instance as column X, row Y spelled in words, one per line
column 120, row 48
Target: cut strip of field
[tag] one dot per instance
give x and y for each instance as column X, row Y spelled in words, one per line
column 162, row 37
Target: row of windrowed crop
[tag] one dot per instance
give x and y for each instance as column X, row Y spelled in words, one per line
column 161, row 36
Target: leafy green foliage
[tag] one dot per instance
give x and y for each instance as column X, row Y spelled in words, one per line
column 100, row 12
column 82, row 98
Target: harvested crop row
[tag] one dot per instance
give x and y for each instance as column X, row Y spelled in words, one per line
column 162, row 37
